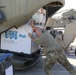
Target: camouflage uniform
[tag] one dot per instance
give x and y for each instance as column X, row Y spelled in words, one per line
column 53, row 54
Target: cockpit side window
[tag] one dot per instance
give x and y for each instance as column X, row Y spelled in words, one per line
column 2, row 16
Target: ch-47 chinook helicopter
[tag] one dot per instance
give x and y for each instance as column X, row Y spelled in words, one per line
column 68, row 24
column 14, row 29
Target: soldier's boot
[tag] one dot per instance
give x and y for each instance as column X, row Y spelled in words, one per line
column 63, row 60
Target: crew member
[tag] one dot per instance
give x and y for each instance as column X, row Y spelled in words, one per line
column 54, row 53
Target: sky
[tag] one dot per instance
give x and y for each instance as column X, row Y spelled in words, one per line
column 69, row 4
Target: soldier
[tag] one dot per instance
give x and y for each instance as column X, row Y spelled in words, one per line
column 54, row 53
column 75, row 51
column 59, row 39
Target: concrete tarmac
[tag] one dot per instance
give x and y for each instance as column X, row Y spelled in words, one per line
column 56, row 70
